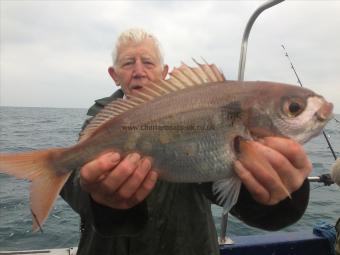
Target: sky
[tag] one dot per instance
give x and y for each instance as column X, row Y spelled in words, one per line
column 56, row 53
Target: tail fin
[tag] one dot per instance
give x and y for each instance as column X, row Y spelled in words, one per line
column 46, row 180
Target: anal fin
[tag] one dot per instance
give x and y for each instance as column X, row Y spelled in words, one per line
column 227, row 191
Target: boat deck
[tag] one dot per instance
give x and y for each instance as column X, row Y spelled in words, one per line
column 294, row 243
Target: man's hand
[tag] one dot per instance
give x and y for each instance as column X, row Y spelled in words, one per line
column 116, row 183
column 272, row 168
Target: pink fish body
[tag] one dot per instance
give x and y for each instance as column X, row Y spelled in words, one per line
column 189, row 125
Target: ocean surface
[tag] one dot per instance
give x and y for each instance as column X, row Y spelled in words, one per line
column 23, row 129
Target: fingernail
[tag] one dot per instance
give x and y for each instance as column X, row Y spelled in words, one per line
column 237, row 146
column 146, row 164
column 238, row 167
column 102, row 177
column 239, row 142
column 260, row 140
column 237, row 164
column 133, row 158
column 115, row 156
column 153, row 176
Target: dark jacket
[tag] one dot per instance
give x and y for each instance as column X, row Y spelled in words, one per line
column 175, row 218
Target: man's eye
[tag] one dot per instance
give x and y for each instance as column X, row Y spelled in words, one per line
column 149, row 63
column 127, row 63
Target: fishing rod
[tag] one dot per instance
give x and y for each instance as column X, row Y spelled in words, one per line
column 299, row 81
column 326, row 179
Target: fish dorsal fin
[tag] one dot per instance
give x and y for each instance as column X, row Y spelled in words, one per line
column 180, row 78
column 110, row 111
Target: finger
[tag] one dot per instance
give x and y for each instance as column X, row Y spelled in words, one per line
column 258, row 192
column 254, row 158
column 120, row 173
column 292, row 150
column 116, row 201
column 270, row 158
column 147, row 186
column 92, row 171
column 271, row 193
column 135, row 180
column 291, row 176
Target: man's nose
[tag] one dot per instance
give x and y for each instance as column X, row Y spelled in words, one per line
column 139, row 69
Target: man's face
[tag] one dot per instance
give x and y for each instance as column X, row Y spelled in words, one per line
column 137, row 65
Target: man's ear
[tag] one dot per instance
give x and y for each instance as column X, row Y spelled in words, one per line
column 113, row 75
column 165, row 71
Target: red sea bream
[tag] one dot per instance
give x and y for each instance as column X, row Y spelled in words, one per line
column 190, row 124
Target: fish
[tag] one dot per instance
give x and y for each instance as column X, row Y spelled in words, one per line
column 191, row 124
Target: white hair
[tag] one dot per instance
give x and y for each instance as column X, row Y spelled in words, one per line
column 136, row 35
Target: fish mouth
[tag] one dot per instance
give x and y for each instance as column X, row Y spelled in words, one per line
column 325, row 112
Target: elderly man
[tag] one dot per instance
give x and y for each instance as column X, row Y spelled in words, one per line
column 126, row 210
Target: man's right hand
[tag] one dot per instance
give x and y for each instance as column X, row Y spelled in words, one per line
column 116, row 183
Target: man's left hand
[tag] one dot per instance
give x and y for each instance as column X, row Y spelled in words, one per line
column 272, row 168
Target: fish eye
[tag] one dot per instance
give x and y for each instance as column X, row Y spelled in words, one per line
column 293, row 107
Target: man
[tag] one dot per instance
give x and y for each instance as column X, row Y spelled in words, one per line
column 125, row 209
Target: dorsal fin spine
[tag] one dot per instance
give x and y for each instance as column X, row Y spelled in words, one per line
column 207, row 77
column 218, row 74
column 190, row 74
column 133, row 103
column 171, row 83
column 143, row 95
column 198, row 72
column 138, row 100
column 152, row 91
column 126, row 102
column 208, row 74
column 183, row 79
column 178, row 82
column 165, row 90
column 119, row 107
column 169, row 86
column 123, row 105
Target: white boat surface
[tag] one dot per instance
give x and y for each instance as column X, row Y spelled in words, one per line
column 61, row 251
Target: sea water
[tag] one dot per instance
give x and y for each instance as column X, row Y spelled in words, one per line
column 23, row 129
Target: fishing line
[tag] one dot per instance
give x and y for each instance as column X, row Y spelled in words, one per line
column 317, row 187
column 299, row 81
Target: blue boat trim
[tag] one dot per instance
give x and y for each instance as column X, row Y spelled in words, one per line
column 293, row 243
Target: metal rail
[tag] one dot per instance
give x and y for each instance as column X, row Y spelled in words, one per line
column 223, row 239
column 246, row 33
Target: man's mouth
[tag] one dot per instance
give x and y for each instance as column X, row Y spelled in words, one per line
column 135, row 86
